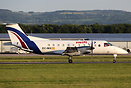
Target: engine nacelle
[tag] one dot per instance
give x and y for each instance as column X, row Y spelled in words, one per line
column 75, row 51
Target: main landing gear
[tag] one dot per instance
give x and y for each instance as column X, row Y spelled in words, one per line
column 115, row 55
column 70, row 60
column 114, row 60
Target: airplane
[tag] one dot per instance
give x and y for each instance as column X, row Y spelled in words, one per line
column 61, row 47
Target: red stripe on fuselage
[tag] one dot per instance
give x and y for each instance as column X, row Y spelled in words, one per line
column 22, row 43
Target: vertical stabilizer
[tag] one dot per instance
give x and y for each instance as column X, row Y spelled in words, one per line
column 20, row 39
column 17, row 36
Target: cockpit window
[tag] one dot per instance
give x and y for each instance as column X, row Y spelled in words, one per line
column 107, row 44
column 110, row 44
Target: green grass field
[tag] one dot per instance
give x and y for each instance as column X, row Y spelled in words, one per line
column 95, row 58
column 106, row 75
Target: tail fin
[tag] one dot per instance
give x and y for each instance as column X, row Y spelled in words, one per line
column 17, row 36
column 20, row 39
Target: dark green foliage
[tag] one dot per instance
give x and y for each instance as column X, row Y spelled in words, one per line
column 3, row 29
column 70, row 28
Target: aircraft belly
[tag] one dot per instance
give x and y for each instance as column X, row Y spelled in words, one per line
column 98, row 51
column 106, row 50
column 102, row 51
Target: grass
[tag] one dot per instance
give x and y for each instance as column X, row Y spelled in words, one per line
column 65, row 76
column 104, row 58
column 106, row 75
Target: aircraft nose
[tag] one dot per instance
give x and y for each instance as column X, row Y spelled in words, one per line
column 125, row 52
column 122, row 51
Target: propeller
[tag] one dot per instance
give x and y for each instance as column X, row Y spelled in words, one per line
column 92, row 47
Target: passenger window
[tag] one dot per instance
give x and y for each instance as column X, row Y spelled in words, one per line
column 53, row 44
column 58, row 44
column 63, row 45
column 99, row 45
column 68, row 44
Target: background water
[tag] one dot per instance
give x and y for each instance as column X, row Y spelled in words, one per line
column 108, row 37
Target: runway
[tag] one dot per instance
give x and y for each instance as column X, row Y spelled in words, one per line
column 12, row 55
column 21, row 55
column 58, row 62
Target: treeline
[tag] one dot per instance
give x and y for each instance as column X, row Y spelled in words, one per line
column 70, row 28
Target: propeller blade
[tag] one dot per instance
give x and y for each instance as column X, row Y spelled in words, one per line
column 92, row 47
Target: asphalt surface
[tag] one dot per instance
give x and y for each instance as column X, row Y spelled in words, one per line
column 1, row 55
column 57, row 62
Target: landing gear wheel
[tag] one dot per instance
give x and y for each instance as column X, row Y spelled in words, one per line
column 114, row 61
column 70, row 61
column 115, row 55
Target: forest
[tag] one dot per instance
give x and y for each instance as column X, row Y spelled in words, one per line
column 71, row 28
column 87, row 17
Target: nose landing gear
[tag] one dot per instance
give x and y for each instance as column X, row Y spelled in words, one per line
column 115, row 55
column 70, row 60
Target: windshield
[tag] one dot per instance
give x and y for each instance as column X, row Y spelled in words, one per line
column 107, row 44
column 110, row 44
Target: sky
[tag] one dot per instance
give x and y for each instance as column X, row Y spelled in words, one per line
column 55, row 5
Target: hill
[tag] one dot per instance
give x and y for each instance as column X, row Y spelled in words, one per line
column 66, row 17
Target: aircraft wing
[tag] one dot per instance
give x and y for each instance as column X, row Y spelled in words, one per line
column 58, row 52
column 73, row 51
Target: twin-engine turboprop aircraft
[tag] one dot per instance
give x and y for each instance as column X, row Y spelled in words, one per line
column 62, row 47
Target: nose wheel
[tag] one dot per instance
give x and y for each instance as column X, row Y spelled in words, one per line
column 70, row 60
column 115, row 55
column 114, row 61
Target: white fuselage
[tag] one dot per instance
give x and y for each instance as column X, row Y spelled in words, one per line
column 47, row 46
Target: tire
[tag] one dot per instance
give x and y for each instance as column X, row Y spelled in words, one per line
column 114, row 61
column 70, row 61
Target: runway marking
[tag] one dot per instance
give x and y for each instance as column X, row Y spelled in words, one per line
column 57, row 62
